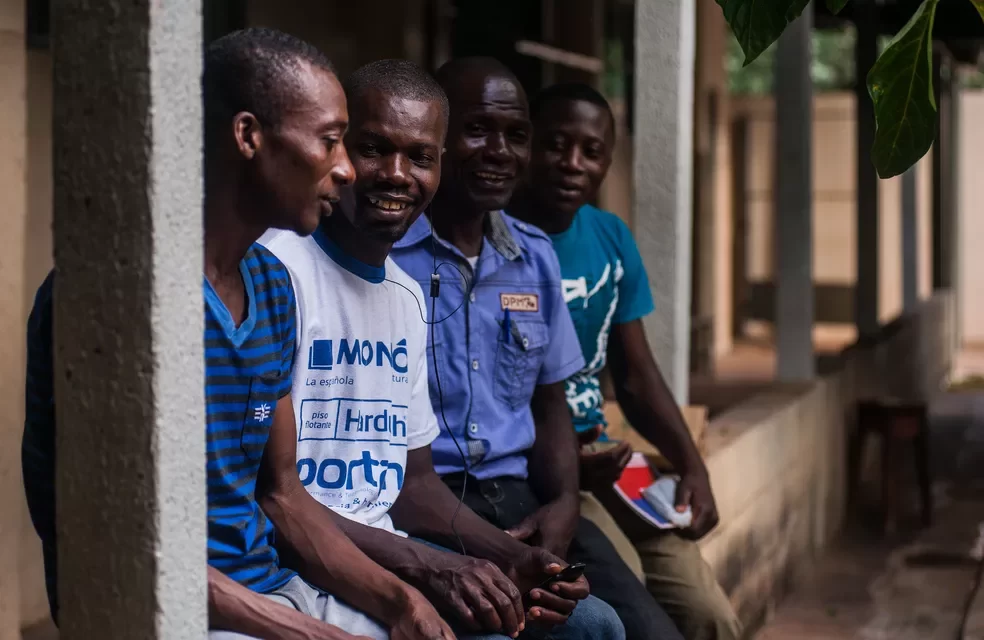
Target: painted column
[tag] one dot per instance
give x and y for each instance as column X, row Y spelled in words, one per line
column 866, row 288
column 128, row 319
column 910, row 244
column 662, row 175
column 13, row 314
column 794, row 202
column 953, row 142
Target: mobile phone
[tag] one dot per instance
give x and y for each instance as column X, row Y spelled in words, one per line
column 570, row 573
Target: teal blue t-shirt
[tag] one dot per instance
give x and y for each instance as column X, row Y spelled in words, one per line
column 605, row 284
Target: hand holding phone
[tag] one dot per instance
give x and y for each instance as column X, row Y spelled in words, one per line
column 570, row 573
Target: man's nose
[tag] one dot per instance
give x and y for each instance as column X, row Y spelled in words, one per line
column 343, row 173
column 496, row 147
column 395, row 170
column 572, row 160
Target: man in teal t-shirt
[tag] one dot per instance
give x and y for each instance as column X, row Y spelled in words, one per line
column 605, row 285
column 607, row 293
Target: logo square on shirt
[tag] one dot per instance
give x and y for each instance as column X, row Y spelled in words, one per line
column 528, row 302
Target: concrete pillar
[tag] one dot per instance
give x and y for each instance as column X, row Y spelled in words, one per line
column 13, row 204
column 866, row 289
column 953, row 142
column 128, row 319
column 910, row 231
column 940, row 272
column 794, row 202
column 662, row 175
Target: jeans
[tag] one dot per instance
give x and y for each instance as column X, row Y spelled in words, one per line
column 505, row 502
column 592, row 620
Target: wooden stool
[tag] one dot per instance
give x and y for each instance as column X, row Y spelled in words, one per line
column 897, row 423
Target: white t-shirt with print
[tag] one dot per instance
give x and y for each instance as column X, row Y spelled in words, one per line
column 360, row 376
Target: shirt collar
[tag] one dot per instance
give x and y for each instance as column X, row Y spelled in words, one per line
column 497, row 232
column 367, row 272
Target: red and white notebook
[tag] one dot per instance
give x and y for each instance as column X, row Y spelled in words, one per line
column 636, row 478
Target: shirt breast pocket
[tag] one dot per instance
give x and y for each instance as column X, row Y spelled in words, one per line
column 518, row 362
column 264, row 392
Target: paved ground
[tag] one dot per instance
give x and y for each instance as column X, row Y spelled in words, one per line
column 914, row 586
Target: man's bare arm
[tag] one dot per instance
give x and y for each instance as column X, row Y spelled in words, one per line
column 322, row 554
column 652, row 410
column 233, row 607
column 553, row 472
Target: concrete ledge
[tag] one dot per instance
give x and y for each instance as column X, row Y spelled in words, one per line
column 778, row 461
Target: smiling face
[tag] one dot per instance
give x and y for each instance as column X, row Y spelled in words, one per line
column 298, row 164
column 395, row 145
column 572, row 151
column 488, row 142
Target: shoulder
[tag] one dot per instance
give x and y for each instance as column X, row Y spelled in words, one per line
column 268, row 272
column 534, row 242
column 609, row 229
column 527, row 233
column 408, row 296
column 396, row 274
column 599, row 218
column 287, row 246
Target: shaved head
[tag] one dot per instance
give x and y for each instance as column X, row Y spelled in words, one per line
column 453, row 75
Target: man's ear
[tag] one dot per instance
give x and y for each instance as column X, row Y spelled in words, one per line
column 248, row 133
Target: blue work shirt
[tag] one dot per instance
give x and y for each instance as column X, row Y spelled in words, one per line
column 501, row 329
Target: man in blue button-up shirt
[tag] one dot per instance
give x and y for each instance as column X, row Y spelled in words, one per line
column 502, row 342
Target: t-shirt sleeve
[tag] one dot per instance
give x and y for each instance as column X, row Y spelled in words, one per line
column 422, row 427
column 289, row 332
column 564, row 357
column 38, row 447
column 635, row 300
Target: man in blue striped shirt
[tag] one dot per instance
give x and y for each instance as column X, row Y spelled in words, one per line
column 275, row 116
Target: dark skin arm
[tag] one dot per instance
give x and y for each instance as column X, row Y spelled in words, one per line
column 233, row 607
column 322, row 554
column 553, row 469
column 425, row 508
column 650, row 407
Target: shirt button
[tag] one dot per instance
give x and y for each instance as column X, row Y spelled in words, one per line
column 475, row 365
column 473, row 428
column 522, row 225
column 472, row 296
column 526, row 342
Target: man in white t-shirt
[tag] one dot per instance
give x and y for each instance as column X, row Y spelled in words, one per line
column 363, row 410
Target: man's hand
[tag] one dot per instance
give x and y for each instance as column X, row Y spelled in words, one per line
column 475, row 591
column 420, row 621
column 694, row 489
column 551, row 526
column 601, row 469
column 551, row 606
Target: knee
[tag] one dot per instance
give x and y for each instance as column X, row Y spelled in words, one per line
column 595, row 620
column 706, row 618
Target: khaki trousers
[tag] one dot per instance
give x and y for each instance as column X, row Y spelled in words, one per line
column 676, row 575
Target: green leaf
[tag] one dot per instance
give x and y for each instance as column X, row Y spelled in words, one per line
column 835, row 6
column 758, row 23
column 901, row 87
column 979, row 5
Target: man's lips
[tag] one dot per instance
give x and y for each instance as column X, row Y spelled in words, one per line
column 493, row 178
column 328, row 205
column 390, row 204
column 568, row 189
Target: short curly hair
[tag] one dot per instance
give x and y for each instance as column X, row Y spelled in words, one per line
column 254, row 70
column 570, row 92
column 400, row 78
